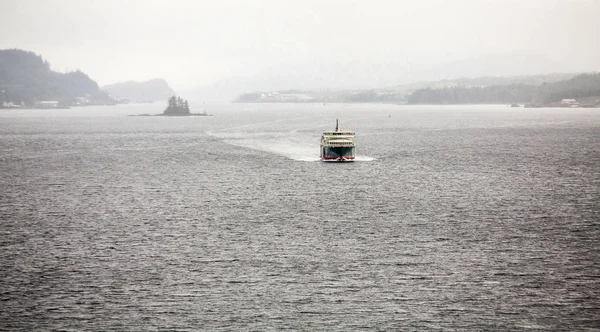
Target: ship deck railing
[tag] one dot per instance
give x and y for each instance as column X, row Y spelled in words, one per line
column 338, row 133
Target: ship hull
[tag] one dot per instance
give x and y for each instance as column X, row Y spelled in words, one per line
column 344, row 153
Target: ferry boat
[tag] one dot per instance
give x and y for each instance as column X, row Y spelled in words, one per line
column 337, row 145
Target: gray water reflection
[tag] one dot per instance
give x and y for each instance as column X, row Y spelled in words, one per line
column 473, row 218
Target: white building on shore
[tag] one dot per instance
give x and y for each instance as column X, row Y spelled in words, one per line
column 46, row 104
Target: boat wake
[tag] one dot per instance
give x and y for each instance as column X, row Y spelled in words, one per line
column 364, row 158
column 291, row 145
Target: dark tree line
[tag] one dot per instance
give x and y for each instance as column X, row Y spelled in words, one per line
column 177, row 105
column 494, row 94
column 585, row 85
column 372, row 96
column 582, row 86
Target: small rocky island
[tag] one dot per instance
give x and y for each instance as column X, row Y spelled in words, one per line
column 177, row 107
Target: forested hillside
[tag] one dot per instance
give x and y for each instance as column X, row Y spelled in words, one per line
column 495, row 94
column 581, row 86
column 26, row 77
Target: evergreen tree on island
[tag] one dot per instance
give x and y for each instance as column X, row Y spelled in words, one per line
column 177, row 106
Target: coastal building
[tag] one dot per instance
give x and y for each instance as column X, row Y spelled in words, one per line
column 10, row 104
column 569, row 103
column 47, row 104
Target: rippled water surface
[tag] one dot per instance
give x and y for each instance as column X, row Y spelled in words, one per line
column 453, row 218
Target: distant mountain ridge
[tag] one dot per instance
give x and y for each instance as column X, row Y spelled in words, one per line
column 380, row 74
column 152, row 90
column 399, row 93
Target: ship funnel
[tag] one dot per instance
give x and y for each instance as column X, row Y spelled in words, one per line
column 337, row 125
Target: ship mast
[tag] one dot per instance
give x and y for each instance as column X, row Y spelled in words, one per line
column 337, row 125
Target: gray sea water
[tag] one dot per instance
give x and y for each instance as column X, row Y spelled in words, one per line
column 464, row 218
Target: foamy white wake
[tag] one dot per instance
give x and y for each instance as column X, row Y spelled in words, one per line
column 293, row 145
column 285, row 146
column 364, row 158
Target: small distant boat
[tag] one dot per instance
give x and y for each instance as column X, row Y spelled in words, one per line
column 337, row 145
column 515, row 105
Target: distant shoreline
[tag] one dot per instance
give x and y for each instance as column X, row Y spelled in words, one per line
column 520, row 105
column 173, row 115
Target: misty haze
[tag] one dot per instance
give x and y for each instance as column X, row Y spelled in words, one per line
column 309, row 165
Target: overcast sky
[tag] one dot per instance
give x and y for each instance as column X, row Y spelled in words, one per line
column 194, row 43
